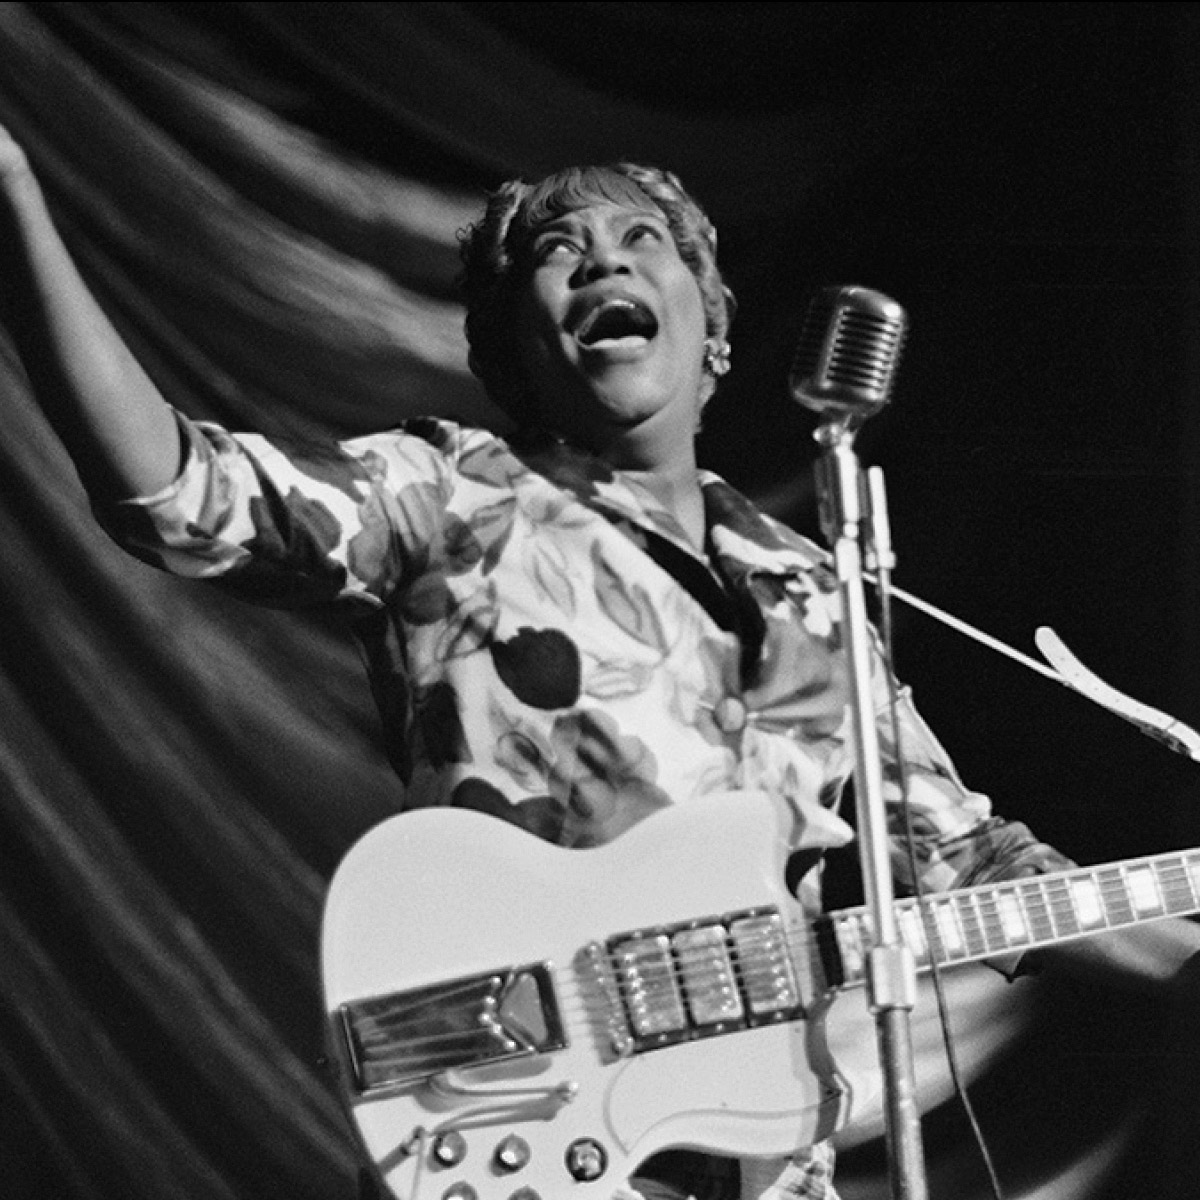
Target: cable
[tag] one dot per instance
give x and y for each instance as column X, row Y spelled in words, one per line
column 927, row 921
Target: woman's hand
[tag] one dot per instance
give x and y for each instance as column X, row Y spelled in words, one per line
column 105, row 408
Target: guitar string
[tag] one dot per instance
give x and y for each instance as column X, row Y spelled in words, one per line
column 980, row 920
column 981, row 923
column 984, row 922
column 982, row 926
column 650, row 989
column 701, row 970
column 979, row 930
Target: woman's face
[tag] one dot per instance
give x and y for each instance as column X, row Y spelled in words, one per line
column 611, row 330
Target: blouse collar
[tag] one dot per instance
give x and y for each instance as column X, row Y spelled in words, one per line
column 744, row 540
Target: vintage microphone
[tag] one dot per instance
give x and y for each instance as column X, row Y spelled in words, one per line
column 844, row 369
column 849, row 349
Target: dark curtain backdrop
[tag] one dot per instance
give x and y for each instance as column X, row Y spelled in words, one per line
column 266, row 199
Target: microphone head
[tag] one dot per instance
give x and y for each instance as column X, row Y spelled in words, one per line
column 849, row 348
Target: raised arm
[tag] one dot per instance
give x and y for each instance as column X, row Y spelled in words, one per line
column 111, row 418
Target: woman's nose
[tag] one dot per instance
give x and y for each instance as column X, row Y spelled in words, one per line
column 604, row 258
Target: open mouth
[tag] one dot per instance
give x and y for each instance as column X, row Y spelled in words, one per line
column 614, row 320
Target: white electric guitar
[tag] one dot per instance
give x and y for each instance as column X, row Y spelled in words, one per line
column 514, row 1021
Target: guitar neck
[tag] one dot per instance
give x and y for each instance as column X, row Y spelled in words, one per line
column 949, row 928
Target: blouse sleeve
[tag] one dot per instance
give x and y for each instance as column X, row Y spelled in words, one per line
column 293, row 523
column 957, row 839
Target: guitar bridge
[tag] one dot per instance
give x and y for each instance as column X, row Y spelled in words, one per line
column 397, row 1039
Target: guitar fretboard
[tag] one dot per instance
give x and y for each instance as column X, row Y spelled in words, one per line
column 995, row 919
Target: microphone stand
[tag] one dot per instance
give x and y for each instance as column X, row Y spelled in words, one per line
column 890, row 967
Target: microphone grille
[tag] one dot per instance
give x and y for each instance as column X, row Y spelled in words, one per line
column 849, row 349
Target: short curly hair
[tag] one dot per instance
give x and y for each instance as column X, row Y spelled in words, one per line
column 492, row 258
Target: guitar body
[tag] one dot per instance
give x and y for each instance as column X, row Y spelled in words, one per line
column 492, row 1035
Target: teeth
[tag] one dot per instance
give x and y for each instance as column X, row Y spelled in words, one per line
column 628, row 319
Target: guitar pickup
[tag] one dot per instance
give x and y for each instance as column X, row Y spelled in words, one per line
column 399, row 1038
column 675, row 983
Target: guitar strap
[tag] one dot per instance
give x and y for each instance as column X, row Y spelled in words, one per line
column 731, row 605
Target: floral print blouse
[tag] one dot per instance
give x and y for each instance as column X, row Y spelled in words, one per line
column 544, row 645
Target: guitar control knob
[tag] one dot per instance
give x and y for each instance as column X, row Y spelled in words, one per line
column 512, row 1153
column 460, row 1191
column 449, row 1149
column 586, row 1160
column 525, row 1193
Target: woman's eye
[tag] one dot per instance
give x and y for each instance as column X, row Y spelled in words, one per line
column 639, row 233
column 549, row 249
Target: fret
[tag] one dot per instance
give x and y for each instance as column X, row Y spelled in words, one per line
column 912, row 931
column 1060, row 910
column 987, row 909
column 1193, row 870
column 1012, row 919
column 1038, row 910
column 951, row 939
column 1117, row 902
column 987, row 906
column 1087, row 903
column 1178, row 889
column 1046, row 887
column 851, row 933
column 1142, row 886
column 974, row 925
column 998, row 916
